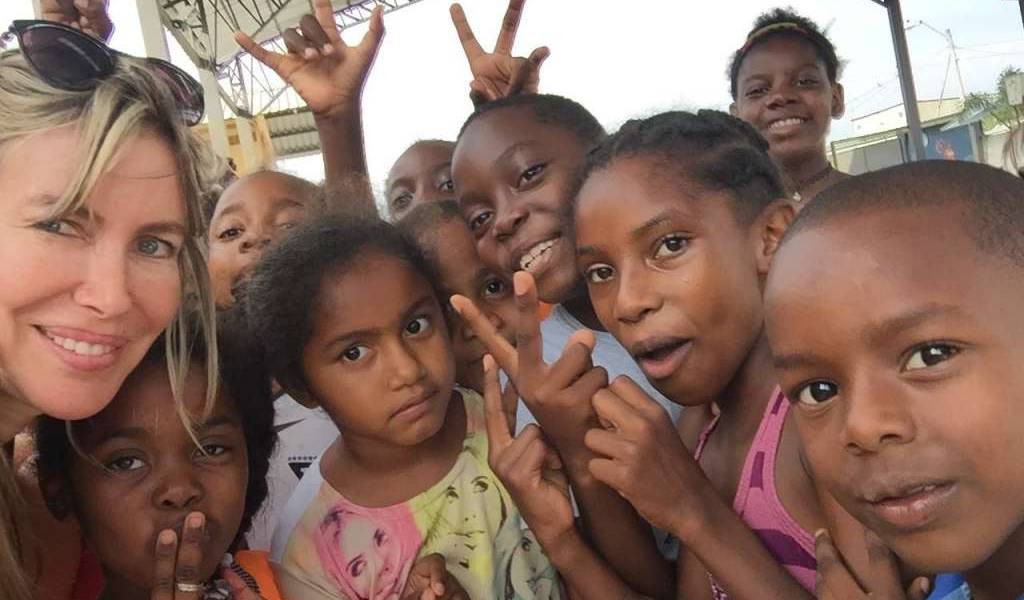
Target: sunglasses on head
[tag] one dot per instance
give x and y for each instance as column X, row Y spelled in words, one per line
column 71, row 60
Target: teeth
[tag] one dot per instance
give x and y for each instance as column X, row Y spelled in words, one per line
column 534, row 253
column 786, row 123
column 80, row 347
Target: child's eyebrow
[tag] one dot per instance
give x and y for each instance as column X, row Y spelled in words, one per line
column 217, row 422
column 513, row 149
column 877, row 334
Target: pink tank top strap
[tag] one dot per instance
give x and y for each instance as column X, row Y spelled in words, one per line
column 702, row 439
column 757, row 499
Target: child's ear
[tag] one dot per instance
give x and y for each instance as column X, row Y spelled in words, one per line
column 838, row 101
column 298, row 391
column 56, row 492
column 773, row 223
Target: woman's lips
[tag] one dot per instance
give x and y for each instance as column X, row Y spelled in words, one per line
column 82, row 350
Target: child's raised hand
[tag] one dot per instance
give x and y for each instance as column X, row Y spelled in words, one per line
column 499, row 74
column 429, row 579
column 529, row 468
column 326, row 72
column 640, row 455
column 559, row 394
column 89, row 16
column 836, row 582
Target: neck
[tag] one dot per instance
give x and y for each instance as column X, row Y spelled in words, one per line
column 1000, row 577
column 17, row 415
column 379, row 456
column 799, row 171
column 582, row 310
column 753, row 382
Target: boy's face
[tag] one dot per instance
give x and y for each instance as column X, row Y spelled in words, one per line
column 380, row 360
column 901, row 347
column 672, row 274
column 513, row 177
column 155, row 475
column 783, row 90
column 251, row 214
column 422, row 174
column 462, row 272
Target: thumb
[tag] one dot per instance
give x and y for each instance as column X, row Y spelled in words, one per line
column 239, row 589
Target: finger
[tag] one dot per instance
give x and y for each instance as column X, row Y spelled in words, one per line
column 529, row 343
column 534, row 455
column 504, row 352
column 323, row 13
column 883, row 571
column 190, row 556
column 499, row 434
column 510, row 461
column 552, row 459
column 590, row 383
column 163, row 568
column 919, row 589
column 833, row 577
column 299, row 45
column 313, row 32
column 239, row 589
column 271, row 59
column 490, row 89
column 526, row 69
column 470, row 46
column 509, row 27
column 609, row 472
column 609, row 445
column 570, row 366
column 610, row 407
column 375, row 34
column 634, row 395
column 477, row 93
column 510, row 404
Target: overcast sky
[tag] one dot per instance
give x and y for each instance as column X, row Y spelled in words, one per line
column 627, row 58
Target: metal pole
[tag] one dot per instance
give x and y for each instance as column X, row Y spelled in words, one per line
column 214, row 112
column 956, row 61
column 1021, row 2
column 152, row 30
column 899, row 40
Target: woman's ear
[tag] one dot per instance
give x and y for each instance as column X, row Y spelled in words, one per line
column 772, row 225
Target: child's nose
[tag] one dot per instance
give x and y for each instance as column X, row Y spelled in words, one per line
column 178, row 491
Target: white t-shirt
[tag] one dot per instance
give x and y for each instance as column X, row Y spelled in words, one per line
column 608, row 353
column 303, row 434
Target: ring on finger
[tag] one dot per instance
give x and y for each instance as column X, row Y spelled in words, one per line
column 188, row 588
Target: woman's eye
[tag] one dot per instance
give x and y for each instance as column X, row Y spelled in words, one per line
column 670, row 246
column 229, row 234
column 495, row 288
column 354, row 353
column 817, row 392
column 401, row 201
column 599, row 273
column 530, row 174
column 56, row 226
column 417, row 326
column 125, row 464
column 929, row 356
column 479, row 219
column 155, row 247
column 447, row 186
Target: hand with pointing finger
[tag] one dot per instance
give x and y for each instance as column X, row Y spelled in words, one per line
column 498, row 74
column 559, row 394
column 89, row 16
column 325, row 71
column 430, row 579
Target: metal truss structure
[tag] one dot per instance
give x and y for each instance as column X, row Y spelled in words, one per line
column 205, row 30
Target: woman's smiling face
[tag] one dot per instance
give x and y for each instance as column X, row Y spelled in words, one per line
column 82, row 297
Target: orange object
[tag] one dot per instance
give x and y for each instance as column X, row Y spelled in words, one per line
column 257, row 564
column 544, row 310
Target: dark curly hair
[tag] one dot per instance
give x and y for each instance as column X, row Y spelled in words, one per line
column 284, row 292
column 549, row 109
column 243, row 378
column 710, row 148
column 785, row 22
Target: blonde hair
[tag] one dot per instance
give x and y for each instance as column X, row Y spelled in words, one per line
column 132, row 100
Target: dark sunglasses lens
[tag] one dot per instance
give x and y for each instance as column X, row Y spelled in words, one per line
column 186, row 90
column 68, row 60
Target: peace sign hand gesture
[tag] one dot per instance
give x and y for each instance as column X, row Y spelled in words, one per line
column 498, row 74
column 326, row 72
column 531, row 471
column 559, row 394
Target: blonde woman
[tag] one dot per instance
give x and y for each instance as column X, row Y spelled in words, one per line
column 100, row 229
